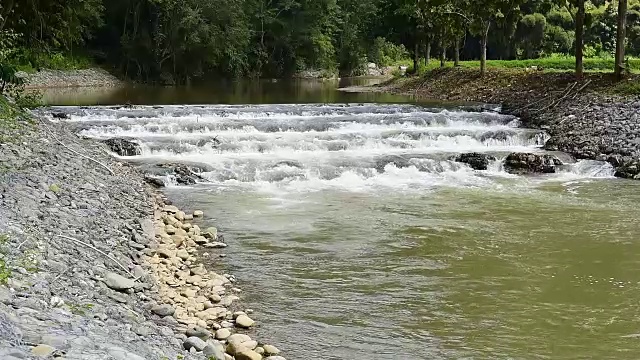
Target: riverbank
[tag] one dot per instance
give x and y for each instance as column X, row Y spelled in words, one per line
column 95, row 264
column 595, row 118
column 93, row 77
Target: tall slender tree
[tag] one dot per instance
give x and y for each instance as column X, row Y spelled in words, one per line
column 579, row 43
column 620, row 38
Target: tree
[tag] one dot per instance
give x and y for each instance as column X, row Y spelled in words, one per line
column 579, row 47
column 620, row 39
column 531, row 33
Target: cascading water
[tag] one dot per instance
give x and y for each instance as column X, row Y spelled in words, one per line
column 311, row 147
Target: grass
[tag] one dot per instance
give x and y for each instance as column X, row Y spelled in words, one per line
column 31, row 61
column 552, row 64
column 627, row 87
column 5, row 271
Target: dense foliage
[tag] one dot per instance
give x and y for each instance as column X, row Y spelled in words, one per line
column 178, row 40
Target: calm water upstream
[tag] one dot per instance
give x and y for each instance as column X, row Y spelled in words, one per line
column 354, row 236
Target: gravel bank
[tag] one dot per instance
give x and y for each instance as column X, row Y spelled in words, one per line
column 582, row 118
column 97, row 265
column 94, row 77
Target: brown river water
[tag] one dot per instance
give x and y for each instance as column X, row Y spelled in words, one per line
column 354, row 235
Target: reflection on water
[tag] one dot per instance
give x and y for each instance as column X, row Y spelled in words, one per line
column 221, row 92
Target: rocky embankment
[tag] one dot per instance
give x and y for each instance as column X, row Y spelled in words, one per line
column 94, row 77
column 95, row 264
column 583, row 118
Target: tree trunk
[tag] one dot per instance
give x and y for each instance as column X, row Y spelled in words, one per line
column 456, row 52
column 416, row 58
column 427, row 54
column 579, row 38
column 443, row 54
column 483, row 49
column 620, row 38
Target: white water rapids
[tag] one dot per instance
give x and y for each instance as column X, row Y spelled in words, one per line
column 310, row 147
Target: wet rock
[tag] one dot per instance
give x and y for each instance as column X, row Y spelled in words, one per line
column 123, row 147
column 274, row 358
column 629, row 170
column 477, row 161
column 211, row 233
column 526, row 163
column 118, row 282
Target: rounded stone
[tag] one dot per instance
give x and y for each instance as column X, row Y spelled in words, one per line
column 244, row 321
column 195, row 343
column 271, row 350
column 198, row 332
column 223, row 334
column 163, row 310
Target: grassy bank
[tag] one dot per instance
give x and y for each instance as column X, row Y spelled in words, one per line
column 549, row 64
column 31, row 61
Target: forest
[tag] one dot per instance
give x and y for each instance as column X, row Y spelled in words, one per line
column 179, row 40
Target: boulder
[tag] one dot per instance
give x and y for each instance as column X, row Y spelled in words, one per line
column 194, row 342
column 270, row 350
column 211, row 233
column 246, row 354
column 118, row 282
column 244, row 321
column 214, row 351
column 163, row 310
column 223, row 334
column 477, row 161
column 197, row 331
column 628, row 170
column 123, row 147
column 526, row 163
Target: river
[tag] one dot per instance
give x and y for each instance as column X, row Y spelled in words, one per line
column 354, row 236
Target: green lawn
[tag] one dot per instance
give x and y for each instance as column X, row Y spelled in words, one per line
column 547, row 64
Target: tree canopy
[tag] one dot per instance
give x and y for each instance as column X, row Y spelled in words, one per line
column 179, row 40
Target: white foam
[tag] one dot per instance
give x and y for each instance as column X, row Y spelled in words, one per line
column 311, row 147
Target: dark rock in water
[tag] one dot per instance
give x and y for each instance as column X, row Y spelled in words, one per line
column 397, row 161
column 525, row 163
column 477, row 161
column 123, row 147
column 60, row 115
column 155, row 181
column 629, row 170
column 184, row 174
column 289, row 163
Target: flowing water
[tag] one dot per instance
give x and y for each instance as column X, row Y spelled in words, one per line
column 355, row 236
